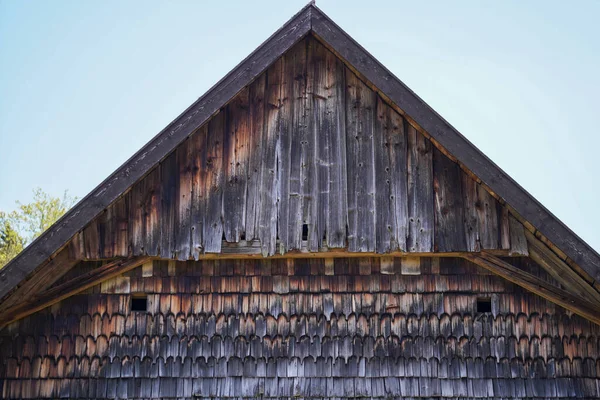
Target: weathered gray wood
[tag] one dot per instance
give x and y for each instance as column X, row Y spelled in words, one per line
column 449, row 204
column 235, row 163
column 398, row 145
column 256, row 128
column 319, row 91
column 518, row 241
column 183, row 234
column 420, row 192
column 330, row 126
column 482, row 228
column 169, row 208
column 199, row 195
column 308, row 161
column 360, row 114
column 269, row 191
column 385, row 228
column 391, row 179
column 293, row 138
column 213, row 180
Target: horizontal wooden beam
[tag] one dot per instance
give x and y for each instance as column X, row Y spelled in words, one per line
column 69, row 288
column 251, row 249
column 535, row 285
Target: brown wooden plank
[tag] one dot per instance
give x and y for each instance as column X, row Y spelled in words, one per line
column 504, row 227
column 236, row 153
column 360, row 115
column 257, row 126
column 420, row 193
column 106, row 233
column 449, row 205
column 182, row 237
column 120, row 216
column 199, row 195
column 91, row 241
column 154, row 211
column 136, row 219
column 214, row 180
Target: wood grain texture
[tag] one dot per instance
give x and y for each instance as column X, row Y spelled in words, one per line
column 360, row 154
column 420, row 193
column 449, row 206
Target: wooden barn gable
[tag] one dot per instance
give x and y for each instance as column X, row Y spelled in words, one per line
column 312, row 206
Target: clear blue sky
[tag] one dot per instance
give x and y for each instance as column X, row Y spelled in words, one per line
column 85, row 84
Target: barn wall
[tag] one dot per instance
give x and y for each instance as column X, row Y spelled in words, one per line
column 308, row 153
column 296, row 328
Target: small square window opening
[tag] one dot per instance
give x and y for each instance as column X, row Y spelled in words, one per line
column 139, row 303
column 484, row 305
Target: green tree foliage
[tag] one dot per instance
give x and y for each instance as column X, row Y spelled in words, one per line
column 21, row 226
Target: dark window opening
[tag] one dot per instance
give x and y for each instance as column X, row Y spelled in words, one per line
column 484, row 305
column 305, row 232
column 139, row 303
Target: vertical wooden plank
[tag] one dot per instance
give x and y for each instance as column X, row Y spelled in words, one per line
column 504, row 227
column 268, row 175
column 304, row 119
column 199, row 194
column 136, row 219
column 106, row 233
column 420, row 192
column 153, row 210
column 120, row 215
column 449, row 205
column 360, row 113
column 328, row 93
column 293, row 138
column 518, row 240
column 481, row 216
column 184, row 195
column 213, row 179
column 386, row 225
column 471, row 224
column 391, row 179
column 91, row 240
column 168, row 214
column 399, row 183
column 256, row 128
column 236, row 152
column 487, row 217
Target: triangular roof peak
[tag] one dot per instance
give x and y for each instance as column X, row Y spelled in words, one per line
column 310, row 20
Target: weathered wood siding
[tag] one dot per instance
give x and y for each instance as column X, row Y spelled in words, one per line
column 302, row 328
column 308, row 153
